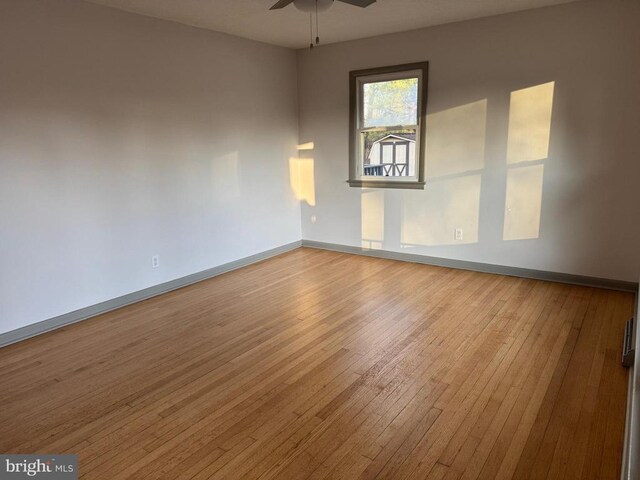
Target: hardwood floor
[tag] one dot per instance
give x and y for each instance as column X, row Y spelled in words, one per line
column 317, row 364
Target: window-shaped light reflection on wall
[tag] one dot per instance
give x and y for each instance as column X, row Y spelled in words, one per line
column 523, row 204
column 372, row 218
column 301, row 179
column 530, row 123
column 530, row 114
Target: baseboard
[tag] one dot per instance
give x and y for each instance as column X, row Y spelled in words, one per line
column 479, row 267
column 84, row 313
column 631, row 447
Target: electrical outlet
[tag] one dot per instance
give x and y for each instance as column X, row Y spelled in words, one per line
column 313, row 219
column 155, row 261
column 458, row 234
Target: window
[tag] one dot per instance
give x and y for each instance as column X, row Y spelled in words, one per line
column 387, row 126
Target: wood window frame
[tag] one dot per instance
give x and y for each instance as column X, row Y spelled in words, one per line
column 356, row 179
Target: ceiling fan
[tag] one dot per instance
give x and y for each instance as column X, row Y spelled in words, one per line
column 310, row 5
column 316, row 6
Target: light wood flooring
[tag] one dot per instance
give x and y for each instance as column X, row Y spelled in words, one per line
column 317, row 364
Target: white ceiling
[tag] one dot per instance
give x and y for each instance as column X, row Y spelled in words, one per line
column 290, row 28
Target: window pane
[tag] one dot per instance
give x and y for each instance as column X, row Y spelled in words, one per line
column 390, row 103
column 391, row 153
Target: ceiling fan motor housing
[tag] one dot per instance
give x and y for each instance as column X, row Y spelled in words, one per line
column 310, row 5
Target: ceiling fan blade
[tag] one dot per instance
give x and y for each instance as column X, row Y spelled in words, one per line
column 281, row 4
column 359, row 3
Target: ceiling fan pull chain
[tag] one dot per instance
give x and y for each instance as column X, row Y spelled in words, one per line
column 309, row 6
column 317, row 27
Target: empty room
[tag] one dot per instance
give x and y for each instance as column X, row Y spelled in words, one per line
column 319, row 239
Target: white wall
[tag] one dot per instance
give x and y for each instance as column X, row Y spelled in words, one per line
column 122, row 137
column 560, row 195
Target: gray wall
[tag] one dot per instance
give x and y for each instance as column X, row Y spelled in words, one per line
column 122, row 137
column 533, row 142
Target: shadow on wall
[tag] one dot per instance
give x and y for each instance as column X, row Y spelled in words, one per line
column 451, row 199
column 447, row 211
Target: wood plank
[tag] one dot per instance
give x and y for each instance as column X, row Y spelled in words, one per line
column 318, row 364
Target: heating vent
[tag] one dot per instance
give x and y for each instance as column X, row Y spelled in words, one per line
column 628, row 352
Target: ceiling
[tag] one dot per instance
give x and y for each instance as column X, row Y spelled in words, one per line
column 290, row 28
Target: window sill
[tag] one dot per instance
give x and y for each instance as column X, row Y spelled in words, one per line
column 386, row 184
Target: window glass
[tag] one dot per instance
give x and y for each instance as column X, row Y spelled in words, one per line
column 390, row 103
column 386, row 147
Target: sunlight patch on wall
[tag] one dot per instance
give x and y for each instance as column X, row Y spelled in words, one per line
column 530, row 123
column 523, row 203
column 224, row 177
column 306, row 146
column 301, row 179
column 456, row 139
column 430, row 217
column 372, row 219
